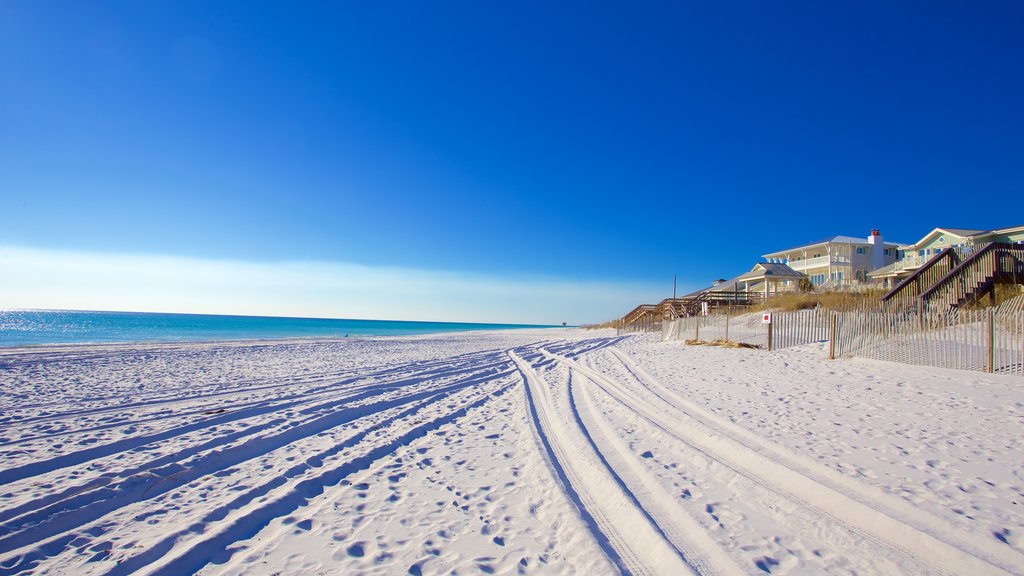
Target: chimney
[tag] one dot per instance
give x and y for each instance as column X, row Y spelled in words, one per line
column 877, row 249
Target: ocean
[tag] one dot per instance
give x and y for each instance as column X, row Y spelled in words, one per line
column 30, row 327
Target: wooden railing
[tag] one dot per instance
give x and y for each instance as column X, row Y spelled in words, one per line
column 643, row 318
column 672, row 308
column 649, row 317
column 905, row 294
column 976, row 276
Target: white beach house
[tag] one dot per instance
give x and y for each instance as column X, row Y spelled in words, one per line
column 838, row 260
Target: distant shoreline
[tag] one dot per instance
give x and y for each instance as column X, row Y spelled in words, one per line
column 171, row 344
column 22, row 328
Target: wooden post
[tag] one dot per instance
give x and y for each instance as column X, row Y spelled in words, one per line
column 990, row 341
column 832, row 339
column 696, row 327
column 769, row 335
column 727, row 326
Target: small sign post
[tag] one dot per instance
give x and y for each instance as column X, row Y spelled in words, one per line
column 766, row 318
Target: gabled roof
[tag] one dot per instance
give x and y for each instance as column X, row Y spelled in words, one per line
column 831, row 240
column 965, row 233
column 732, row 284
column 961, row 232
column 770, row 269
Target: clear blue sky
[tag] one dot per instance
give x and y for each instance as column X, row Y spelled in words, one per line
column 587, row 142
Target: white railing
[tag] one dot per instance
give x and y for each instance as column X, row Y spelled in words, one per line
column 913, row 261
column 818, row 262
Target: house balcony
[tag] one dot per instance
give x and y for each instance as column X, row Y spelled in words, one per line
column 913, row 261
column 819, row 262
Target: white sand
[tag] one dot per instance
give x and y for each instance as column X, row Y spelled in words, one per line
column 528, row 451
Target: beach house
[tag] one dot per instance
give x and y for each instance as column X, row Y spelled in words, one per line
column 839, row 260
column 964, row 241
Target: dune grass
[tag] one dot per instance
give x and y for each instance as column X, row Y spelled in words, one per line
column 788, row 301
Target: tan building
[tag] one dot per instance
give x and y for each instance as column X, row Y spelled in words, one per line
column 838, row 260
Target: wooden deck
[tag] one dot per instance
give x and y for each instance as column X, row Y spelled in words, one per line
column 648, row 317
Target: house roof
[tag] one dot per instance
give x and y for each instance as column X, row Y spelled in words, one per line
column 729, row 285
column 831, row 240
column 886, row 270
column 770, row 269
column 732, row 284
column 964, row 233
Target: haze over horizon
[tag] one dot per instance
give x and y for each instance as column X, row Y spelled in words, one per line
column 505, row 162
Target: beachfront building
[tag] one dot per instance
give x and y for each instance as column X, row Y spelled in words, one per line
column 769, row 278
column 913, row 256
column 839, row 260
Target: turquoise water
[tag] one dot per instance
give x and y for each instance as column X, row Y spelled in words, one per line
column 26, row 327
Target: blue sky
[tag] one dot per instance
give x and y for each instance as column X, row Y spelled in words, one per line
column 527, row 144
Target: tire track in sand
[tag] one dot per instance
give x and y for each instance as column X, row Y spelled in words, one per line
column 860, row 518
column 686, row 535
column 619, row 525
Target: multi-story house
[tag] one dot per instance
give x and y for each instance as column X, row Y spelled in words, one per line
column 839, row 260
column 913, row 256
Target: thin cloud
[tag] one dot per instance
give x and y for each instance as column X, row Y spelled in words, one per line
column 69, row 279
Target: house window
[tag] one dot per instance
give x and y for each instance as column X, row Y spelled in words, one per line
column 942, row 239
column 860, row 249
column 920, row 253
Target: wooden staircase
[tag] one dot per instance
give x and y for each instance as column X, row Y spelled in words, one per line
column 691, row 306
column 957, row 276
column 643, row 318
column 977, row 276
column 905, row 294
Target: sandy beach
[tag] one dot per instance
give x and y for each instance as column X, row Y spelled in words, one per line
column 507, row 452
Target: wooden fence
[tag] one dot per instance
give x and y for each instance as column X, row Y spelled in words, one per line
column 990, row 340
column 786, row 328
column 747, row 329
